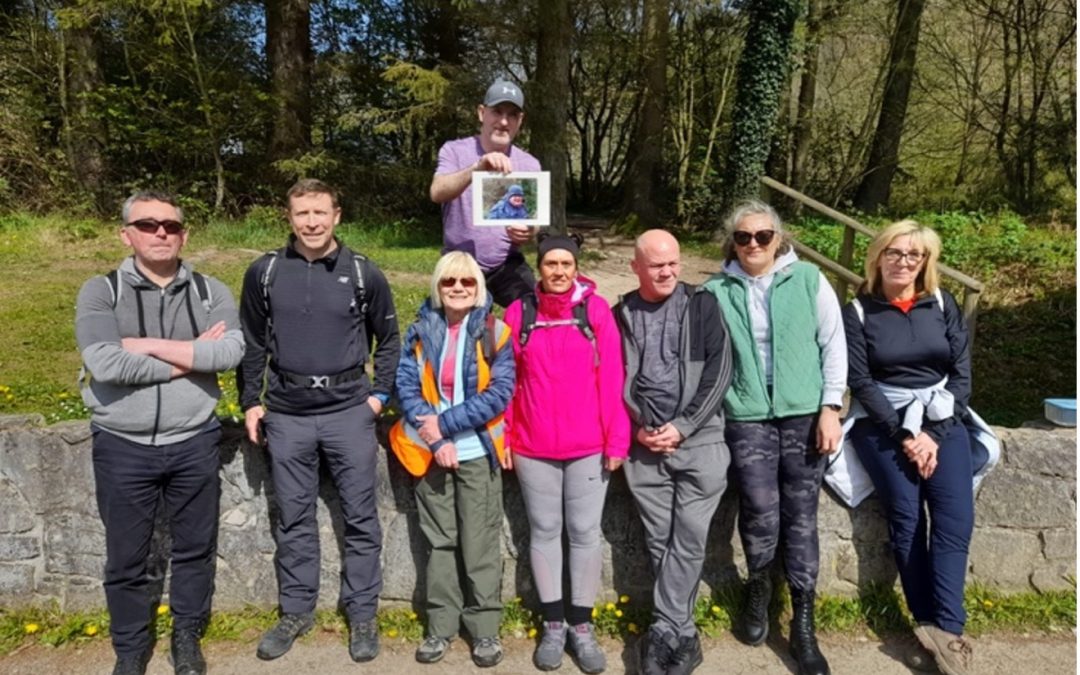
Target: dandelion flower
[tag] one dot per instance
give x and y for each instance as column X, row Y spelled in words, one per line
column 715, row 609
column 532, row 632
column 632, row 628
column 594, row 612
column 988, row 604
column 610, row 606
column 618, row 613
column 90, row 630
column 412, row 616
column 623, row 599
column 162, row 610
column 31, row 628
column 392, row 633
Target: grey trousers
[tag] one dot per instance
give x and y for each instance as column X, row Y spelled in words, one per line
column 346, row 439
column 461, row 518
column 677, row 496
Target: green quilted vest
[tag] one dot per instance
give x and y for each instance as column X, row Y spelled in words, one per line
column 796, row 357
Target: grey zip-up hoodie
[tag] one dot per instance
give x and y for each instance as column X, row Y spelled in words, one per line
column 704, row 368
column 133, row 395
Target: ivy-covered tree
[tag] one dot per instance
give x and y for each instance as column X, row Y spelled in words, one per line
column 762, row 76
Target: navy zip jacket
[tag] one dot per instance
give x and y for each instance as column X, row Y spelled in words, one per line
column 316, row 330
column 913, row 350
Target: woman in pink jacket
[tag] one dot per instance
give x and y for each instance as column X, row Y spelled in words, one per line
column 567, row 430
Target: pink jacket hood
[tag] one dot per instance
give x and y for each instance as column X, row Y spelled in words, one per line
column 566, row 406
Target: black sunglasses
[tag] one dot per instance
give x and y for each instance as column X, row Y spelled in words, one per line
column 150, row 226
column 762, row 237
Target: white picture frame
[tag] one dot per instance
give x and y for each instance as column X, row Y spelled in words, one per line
column 489, row 189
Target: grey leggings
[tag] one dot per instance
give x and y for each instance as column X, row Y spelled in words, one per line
column 551, row 488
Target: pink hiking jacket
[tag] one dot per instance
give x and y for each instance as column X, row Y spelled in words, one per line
column 564, row 405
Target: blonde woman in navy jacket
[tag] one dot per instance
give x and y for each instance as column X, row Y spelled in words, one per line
column 911, row 345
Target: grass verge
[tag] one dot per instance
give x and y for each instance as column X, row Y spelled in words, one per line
column 878, row 610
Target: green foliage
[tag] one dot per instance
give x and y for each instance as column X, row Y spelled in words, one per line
column 1025, row 346
column 762, row 75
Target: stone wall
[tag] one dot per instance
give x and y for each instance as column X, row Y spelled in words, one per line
column 52, row 541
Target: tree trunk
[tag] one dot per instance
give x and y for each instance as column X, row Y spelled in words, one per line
column 87, row 135
column 644, row 179
column 762, row 76
column 804, row 116
column 289, row 57
column 550, row 96
column 873, row 191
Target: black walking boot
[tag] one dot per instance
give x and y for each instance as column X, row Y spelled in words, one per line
column 804, row 647
column 755, row 616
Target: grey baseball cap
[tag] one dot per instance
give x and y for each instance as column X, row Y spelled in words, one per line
column 502, row 91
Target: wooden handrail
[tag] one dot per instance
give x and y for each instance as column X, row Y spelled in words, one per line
column 845, row 276
column 847, row 221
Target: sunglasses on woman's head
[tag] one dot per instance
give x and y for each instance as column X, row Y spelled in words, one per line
column 150, row 226
column 762, row 237
column 466, row 282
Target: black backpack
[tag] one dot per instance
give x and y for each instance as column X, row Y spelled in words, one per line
column 356, row 270
column 580, row 319
column 202, row 290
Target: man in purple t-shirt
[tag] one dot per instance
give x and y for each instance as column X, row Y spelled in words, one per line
column 507, row 274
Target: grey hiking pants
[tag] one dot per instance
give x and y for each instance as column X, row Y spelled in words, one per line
column 778, row 471
column 677, row 495
column 346, row 440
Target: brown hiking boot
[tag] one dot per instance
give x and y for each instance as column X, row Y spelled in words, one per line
column 952, row 653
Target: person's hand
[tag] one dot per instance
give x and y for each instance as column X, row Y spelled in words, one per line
column 922, row 450
column 252, row 423
column 507, row 460
column 375, row 404
column 519, row 234
column 829, row 430
column 429, row 428
column 215, row 332
column 612, row 464
column 660, row 440
column 446, row 456
column 495, row 161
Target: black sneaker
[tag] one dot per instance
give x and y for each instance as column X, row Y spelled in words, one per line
column 655, row 652
column 279, row 639
column 686, row 657
column 187, row 657
column 131, row 664
column 363, row 640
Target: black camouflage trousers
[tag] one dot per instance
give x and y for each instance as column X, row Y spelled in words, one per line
column 778, row 472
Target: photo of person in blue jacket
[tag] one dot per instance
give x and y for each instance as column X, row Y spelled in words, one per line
column 512, row 205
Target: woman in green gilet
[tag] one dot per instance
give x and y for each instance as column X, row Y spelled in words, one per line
column 783, row 413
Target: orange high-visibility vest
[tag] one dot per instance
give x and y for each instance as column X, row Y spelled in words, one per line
column 410, row 449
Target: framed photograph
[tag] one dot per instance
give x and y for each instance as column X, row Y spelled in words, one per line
column 518, row 198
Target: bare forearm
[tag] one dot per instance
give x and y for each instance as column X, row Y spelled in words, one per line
column 449, row 186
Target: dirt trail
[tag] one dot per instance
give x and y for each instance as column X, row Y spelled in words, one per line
column 325, row 654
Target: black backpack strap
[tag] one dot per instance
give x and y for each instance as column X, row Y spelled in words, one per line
column 581, row 317
column 528, row 317
column 112, row 279
column 359, row 264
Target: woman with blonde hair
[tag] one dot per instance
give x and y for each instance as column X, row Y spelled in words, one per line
column 454, row 379
column 910, row 377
